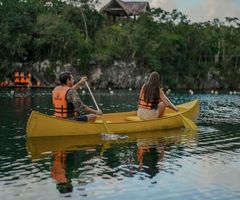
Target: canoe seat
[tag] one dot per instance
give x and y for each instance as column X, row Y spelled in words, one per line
column 137, row 119
column 133, row 118
column 100, row 121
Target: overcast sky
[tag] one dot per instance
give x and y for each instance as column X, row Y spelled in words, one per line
column 198, row 10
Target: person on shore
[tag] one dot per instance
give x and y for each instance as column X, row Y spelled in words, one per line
column 152, row 100
column 67, row 103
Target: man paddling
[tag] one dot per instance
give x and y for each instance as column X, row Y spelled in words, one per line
column 67, row 103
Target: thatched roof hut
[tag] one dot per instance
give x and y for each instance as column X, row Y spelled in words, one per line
column 118, row 8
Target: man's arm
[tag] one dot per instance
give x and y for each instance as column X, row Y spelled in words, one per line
column 93, row 111
column 79, row 83
column 79, row 106
column 73, row 97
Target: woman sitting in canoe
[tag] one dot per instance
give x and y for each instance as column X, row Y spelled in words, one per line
column 67, row 103
column 152, row 100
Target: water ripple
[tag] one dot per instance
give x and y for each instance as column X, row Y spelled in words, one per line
column 180, row 165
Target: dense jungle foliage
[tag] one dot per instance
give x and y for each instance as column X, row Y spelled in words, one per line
column 75, row 32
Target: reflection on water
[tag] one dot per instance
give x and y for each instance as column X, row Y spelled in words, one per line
column 58, row 172
column 173, row 164
column 138, row 155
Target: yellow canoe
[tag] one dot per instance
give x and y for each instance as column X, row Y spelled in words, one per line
column 39, row 147
column 120, row 123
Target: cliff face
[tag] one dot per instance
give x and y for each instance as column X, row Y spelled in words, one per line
column 118, row 75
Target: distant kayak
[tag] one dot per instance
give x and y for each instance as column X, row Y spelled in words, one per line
column 39, row 124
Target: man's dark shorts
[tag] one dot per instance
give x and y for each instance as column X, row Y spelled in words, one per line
column 82, row 118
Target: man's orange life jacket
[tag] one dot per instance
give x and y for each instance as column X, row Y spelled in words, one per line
column 146, row 105
column 59, row 101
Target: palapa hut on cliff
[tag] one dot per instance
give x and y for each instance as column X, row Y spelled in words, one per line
column 118, row 8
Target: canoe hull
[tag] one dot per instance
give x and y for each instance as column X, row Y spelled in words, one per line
column 43, row 125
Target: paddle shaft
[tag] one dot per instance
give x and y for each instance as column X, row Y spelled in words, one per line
column 94, row 100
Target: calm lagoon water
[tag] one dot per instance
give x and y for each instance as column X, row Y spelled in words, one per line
column 160, row 165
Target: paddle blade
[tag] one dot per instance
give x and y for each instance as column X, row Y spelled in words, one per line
column 106, row 127
column 189, row 124
column 106, row 145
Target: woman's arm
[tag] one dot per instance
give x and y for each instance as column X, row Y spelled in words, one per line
column 166, row 101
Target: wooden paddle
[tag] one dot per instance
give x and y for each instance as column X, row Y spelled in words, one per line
column 188, row 123
column 104, row 122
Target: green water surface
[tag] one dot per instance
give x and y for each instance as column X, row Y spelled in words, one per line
column 174, row 164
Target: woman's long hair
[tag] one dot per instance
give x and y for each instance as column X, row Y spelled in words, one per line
column 151, row 88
